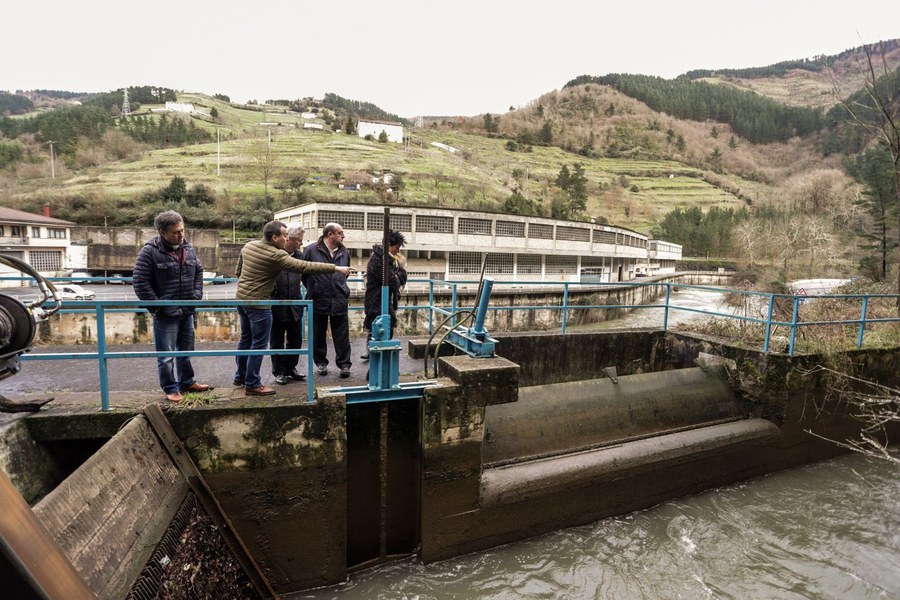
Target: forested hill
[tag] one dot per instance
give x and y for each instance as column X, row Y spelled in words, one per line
column 754, row 117
column 365, row 110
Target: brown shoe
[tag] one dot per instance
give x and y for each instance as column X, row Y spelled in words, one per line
column 174, row 397
column 197, row 387
column 259, row 391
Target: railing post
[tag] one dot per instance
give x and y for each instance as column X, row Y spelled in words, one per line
column 862, row 322
column 769, row 324
column 430, row 306
column 794, row 325
column 101, row 354
column 453, row 307
column 309, row 355
column 666, row 309
column 565, row 315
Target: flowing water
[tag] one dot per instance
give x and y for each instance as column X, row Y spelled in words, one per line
column 827, row 530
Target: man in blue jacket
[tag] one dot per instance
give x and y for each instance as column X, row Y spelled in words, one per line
column 167, row 268
column 331, row 296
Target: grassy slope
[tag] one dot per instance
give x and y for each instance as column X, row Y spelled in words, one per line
column 478, row 176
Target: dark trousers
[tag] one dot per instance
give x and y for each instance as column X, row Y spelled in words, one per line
column 340, row 333
column 292, row 332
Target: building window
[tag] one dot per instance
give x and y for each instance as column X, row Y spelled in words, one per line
column 474, row 226
column 436, row 275
column 498, row 263
column 561, row 265
column 591, row 261
column 45, row 260
column 433, row 224
column 573, row 234
column 57, row 233
column 401, row 223
column 2, row 231
column 602, row 236
column 529, row 264
column 465, row 262
column 35, row 232
column 539, row 231
column 16, row 231
column 511, row 229
column 346, row 219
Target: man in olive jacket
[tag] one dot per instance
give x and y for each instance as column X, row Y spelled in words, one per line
column 258, row 267
column 167, row 268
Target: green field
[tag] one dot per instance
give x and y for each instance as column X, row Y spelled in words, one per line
column 634, row 193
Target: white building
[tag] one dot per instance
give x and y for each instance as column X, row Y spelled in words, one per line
column 451, row 244
column 394, row 131
column 41, row 241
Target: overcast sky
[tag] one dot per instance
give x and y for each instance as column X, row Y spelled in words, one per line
column 460, row 57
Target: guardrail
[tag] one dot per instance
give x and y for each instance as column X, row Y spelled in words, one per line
column 770, row 304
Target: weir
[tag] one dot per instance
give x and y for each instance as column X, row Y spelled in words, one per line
column 554, row 431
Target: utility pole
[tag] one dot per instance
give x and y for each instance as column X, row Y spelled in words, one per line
column 218, row 153
column 52, row 163
column 126, row 107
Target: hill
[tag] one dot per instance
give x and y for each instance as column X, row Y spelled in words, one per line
column 596, row 149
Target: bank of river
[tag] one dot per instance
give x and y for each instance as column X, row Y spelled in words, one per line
column 827, row 530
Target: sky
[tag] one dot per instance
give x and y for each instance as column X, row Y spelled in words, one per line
column 410, row 57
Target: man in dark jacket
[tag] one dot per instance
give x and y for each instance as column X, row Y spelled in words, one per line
column 287, row 321
column 331, row 296
column 396, row 280
column 167, row 268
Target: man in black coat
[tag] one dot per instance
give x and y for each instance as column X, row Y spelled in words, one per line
column 287, row 321
column 167, row 268
column 331, row 297
column 396, row 280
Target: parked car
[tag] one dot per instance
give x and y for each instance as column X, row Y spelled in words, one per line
column 73, row 291
column 116, row 279
column 80, row 277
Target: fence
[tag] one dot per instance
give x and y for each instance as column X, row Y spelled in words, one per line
column 771, row 304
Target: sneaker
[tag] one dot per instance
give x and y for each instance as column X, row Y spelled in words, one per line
column 281, row 379
column 322, row 370
column 238, row 382
column 365, row 356
column 345, row 372
column 262, row 390
column 296, row 375
column 174, row 397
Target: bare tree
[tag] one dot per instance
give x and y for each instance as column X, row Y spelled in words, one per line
column 879, row 113
column 264, row 163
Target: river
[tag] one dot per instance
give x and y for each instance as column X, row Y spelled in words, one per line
column 827, row 530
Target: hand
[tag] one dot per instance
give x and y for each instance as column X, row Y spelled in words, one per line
column 345, row 271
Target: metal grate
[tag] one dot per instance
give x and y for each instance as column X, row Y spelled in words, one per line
column 540, row 231
column 573, row 234
column 399, row 222
column 346, row 219
column 510, row 229
column 465, row 262
column 474, row 226
column 45, row 260
column 433, row 224
column 146, row 587
column 529, row 264
column 497, row 263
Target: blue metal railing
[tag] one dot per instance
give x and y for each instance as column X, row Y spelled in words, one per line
column 438, row 288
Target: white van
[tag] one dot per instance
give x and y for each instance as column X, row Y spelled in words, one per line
column 73, row 291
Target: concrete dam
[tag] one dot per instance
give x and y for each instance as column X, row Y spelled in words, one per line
column 555, row 431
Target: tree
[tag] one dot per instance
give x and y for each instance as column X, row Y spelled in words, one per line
column 546, row 135
column 175, row 191
column 382, row 137
column 349, row 127
column 264, row 164
column 877, row 112
column 874, row 170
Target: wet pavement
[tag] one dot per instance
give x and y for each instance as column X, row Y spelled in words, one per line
column 133, row 381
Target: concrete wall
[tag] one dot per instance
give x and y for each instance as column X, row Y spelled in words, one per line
column 116, row 248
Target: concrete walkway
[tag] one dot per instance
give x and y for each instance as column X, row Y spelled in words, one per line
column 133, row 382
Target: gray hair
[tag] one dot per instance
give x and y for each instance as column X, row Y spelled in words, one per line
column 166, row 219
column 294, row 231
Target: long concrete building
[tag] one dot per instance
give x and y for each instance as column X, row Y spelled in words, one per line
column 451, row 245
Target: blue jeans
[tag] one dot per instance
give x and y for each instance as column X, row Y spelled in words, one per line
column 256, row 323
column 171, row 335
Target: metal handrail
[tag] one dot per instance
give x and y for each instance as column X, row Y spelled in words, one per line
column 101, row 307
